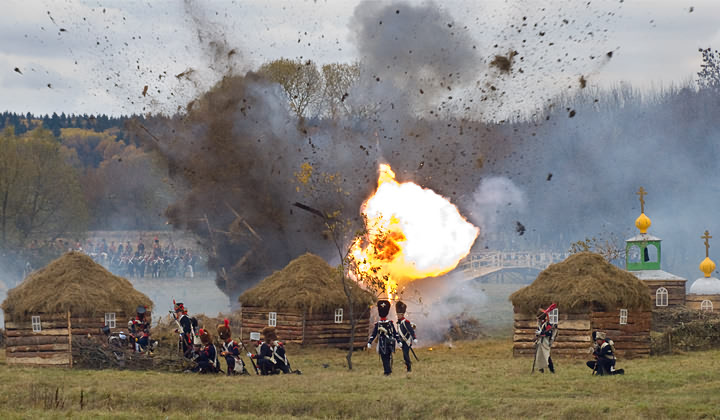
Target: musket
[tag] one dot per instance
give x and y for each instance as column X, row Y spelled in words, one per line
column 257, row 372
column 413, row 352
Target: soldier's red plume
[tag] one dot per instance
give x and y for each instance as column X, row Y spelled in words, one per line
column 227, row 323
column 550, row 308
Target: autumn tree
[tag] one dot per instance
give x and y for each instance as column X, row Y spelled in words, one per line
column 610, row 246
column 339, row 79
column 343, row 233
column 40, row 195
column 709, row 75
column 301, row 81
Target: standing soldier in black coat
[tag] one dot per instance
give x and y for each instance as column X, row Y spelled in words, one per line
column 230, row 350
column 387, row 336
column 406, row 331
column 186, row 330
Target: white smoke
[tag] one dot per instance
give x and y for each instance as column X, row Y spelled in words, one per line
column 494, row 199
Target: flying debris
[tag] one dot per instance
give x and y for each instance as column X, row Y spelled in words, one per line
column 17, row 70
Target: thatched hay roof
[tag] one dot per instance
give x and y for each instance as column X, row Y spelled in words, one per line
column 582, row 281
column 76, row 283
column 307, row 283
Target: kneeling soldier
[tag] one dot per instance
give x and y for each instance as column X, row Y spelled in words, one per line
column 604, row 353
column 271, row 356
column 207, row 356
column 230, row 350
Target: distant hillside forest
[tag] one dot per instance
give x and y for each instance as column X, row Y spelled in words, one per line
column 23, row 123
column 68, row 173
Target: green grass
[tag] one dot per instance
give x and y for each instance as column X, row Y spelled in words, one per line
column 473, row 380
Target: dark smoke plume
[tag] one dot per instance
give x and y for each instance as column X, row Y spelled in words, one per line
column 237, row 148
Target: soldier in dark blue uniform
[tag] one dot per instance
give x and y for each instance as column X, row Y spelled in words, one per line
column 387, row 336
column 186, row 330
column 206, row 359
column 406, row 331
column 230, row 350
column 271, row 357
column 604, row 353
column 139, row 328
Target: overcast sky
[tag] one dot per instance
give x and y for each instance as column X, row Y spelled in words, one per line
column 94, row 57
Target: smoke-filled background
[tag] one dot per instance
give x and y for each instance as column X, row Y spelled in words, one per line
column 498, row 112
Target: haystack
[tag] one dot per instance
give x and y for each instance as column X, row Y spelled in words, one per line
column 591, row 295
column 71, row 296
column 306, row 302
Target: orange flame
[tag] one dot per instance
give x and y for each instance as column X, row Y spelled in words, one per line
column 412, row 233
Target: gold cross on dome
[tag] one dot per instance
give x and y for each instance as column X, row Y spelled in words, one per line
column 641, row 192
column 707, row 243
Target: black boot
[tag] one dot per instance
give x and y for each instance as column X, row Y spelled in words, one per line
column 551, row 366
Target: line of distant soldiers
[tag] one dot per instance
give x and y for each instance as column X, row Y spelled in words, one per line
column 196, row 344
column 603, row 349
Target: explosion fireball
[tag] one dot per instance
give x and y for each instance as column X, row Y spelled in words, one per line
column 412, row 233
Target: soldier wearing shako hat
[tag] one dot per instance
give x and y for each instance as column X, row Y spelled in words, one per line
column 387, row 336
column 186, row 328
column 406, row 331
column 271, row 358
column 604, row 353
column 206, row 359
column 544, row 338
column 230, row 350
column 139, row 328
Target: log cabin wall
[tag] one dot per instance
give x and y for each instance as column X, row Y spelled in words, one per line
column 574, row 337
column 303, row 328
column 631, row 339
column 676, row 292
column 48, row 347
column 695, row 302
column 51, row 346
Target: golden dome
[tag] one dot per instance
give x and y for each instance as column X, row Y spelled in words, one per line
column 707, row 266
column 643, row 223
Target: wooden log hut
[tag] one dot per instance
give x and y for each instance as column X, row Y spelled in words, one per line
column 592, row 295
column 306, row 303
column 71, row 297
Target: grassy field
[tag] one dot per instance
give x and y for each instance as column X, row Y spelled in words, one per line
column 472, row 380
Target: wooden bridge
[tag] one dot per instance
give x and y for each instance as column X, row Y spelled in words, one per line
column 479, row 264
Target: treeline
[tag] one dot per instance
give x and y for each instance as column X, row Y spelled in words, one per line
column 59, row 186
column 23, row 123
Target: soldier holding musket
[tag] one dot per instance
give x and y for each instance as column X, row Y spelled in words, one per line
column 604, row 353
column 544, row 337
column 386, row 334
column 406, row 331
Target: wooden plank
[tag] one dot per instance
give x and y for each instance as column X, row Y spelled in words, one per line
column 38, row 348
column 38, row 354
column 23, row 333
column 69, row 329
column 574, row 324
column 59, row 359
column 34, row 340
